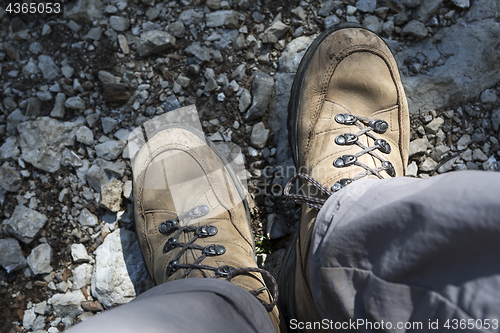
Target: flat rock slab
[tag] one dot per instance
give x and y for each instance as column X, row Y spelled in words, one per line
column 288, row 63
column 464, row 61
column 25, row 223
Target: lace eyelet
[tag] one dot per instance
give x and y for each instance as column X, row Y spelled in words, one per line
column 170, row 244
column 389, row 168
column 346, row 119
column 346, row 139
column 168, row 227
column 337, row 186
column 206, row 231
column 224, row 271
column 171, row 267
column 383, row 146
column 214, row 250
column 344, row 161
column 379, row 126
column 199, row 211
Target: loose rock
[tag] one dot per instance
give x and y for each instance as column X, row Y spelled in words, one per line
column 416, row 29
column 155, row 41
column 259, row 136
column 86, row 218
column 111, row 195
column 434, row 125
column 11, row 255
column 119, row 23
column 418, row 146
column 48, row 67
column 10, row 149
column 59, row 110
column 85, row 136
column 428, row 165
column 464, row 142
column 39, row 259
column 367, row 6
column 75, row 103
column 245, row 100
column 79, row 254
column 220, row 18
column 10, row 180
column 43, row 140
column 275, row 32
column 110, row 150
column 25, row 224
column 68, row 304
column 262, row 89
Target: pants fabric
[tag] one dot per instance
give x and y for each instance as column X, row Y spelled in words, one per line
column 403, row 251
column 188, row 305
column 407, row 250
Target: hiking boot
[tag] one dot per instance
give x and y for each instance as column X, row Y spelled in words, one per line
column 347, row 119
column 191, row 215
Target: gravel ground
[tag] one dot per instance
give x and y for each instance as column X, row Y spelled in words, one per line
column 73, row 86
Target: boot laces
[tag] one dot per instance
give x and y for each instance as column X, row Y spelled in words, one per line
column 179, row 225
column 366, row 127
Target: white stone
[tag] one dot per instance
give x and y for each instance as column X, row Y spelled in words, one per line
column 428, row 165
column 111, row 195
column 31, row 68
column 418, row 146
column 82, row 276
column 29, row 318
column 79, row 253
column 112, row 282
column 412, row 169
column 434, row 125
column 462, row 3
column 40, row 307
column 68, row 304
column 86, row 218
column 67, row 71
column 127, row 190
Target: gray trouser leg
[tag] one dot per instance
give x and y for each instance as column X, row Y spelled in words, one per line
column 411, row 251
column 188, row 305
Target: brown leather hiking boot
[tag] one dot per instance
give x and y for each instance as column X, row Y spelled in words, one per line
column 191, row 214
column 347, row 119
